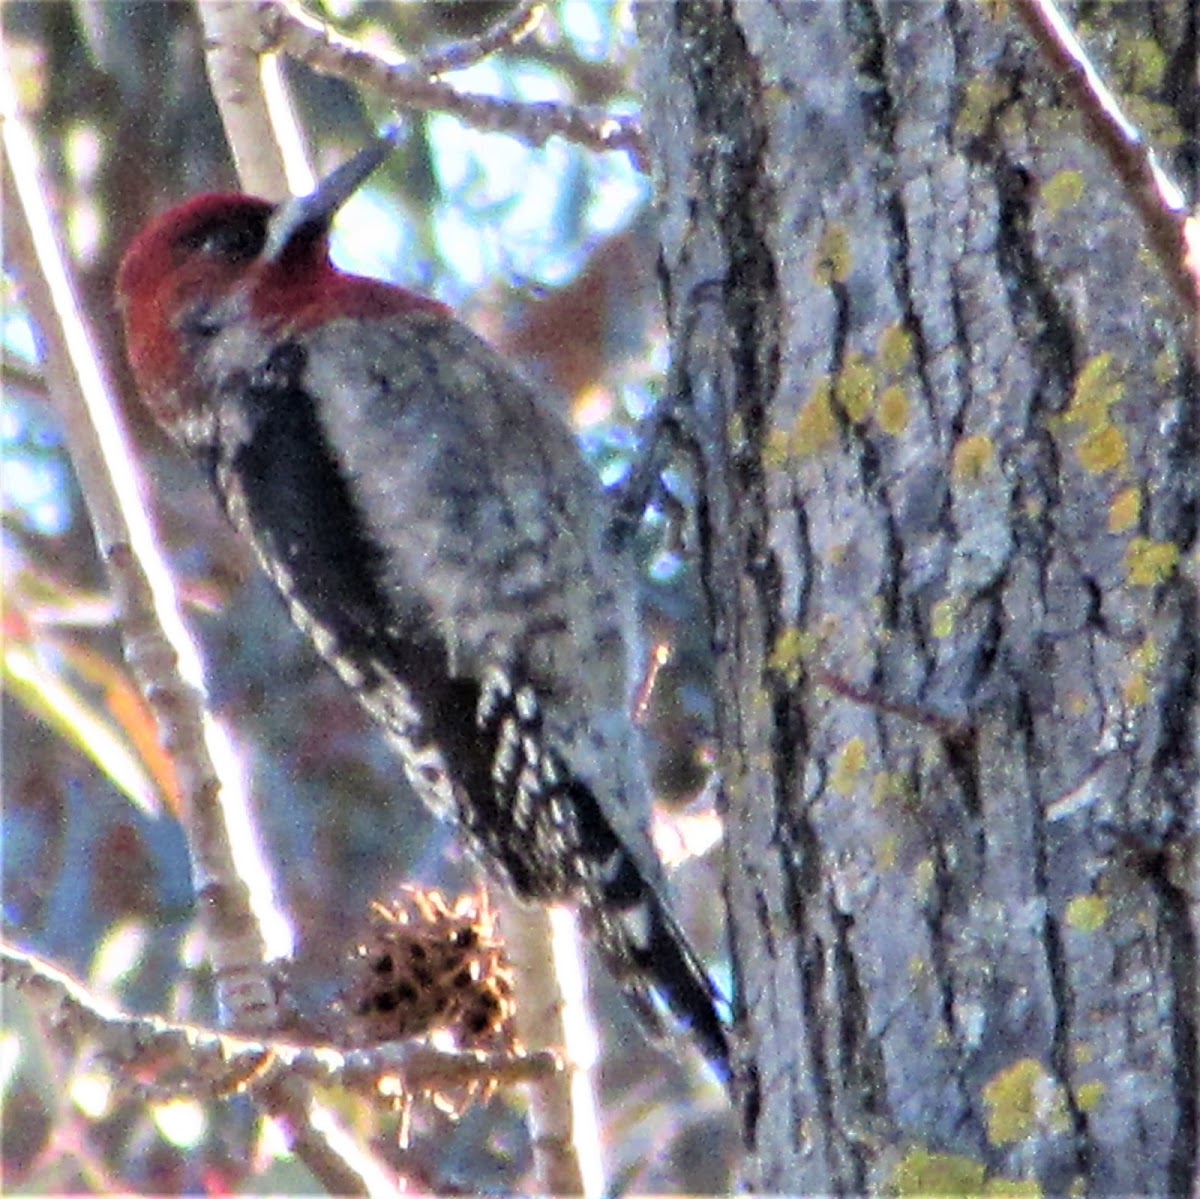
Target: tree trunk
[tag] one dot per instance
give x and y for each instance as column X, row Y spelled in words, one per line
column 945, row 431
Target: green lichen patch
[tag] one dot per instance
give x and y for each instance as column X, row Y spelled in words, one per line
column 892, row 413
column 895, row 350
column 943, row 620
column 1022, row 1101
column 1098, row 386
column 1103, row 449
column 856, row 386
column 835, row 258
column 851, row 763
column 920, row 1172
column 816, row 426
column 1148, row 563
column 1087, row 913
column 1062, row 191
column 973, row 458
column 982, row 98
column 1125, row 510
column 791, row 648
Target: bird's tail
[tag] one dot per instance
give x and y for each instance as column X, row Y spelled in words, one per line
column 653, row 960
column 554, row 839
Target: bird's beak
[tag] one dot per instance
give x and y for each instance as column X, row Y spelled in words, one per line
column 302, row 216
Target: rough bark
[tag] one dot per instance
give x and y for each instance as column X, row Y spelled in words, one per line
column 945, row 433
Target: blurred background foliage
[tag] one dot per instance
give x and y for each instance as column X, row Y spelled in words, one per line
column 547, row 252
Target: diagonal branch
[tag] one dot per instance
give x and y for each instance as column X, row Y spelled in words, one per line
column 243, row 926
column 1158, row 199
column 285, row 27
column 157, row 645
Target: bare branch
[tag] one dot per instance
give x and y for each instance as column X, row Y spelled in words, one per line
column 285, row 27
column 157, row 645
column 188, row 1059
column 551, row 1011
column 233, row 72
column 508, row 31
column 1158, row 199
column 267, row 147
column 1191, row 263
column 242, row 925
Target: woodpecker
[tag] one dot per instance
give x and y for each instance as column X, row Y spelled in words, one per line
column 434, row 529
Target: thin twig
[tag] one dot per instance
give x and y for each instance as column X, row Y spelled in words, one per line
column 285, row 27
column 188, row 1059
column 16, row 376
column 513, row 27
column 1154, row 194
column 870, row 697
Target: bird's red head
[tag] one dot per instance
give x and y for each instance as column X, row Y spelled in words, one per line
column 221, row 264
column 181, row 266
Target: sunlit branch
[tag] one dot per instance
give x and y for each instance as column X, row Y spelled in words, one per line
column 243, row 925
column 1158, row 199
column 285, row 27
column 551, row 1012
column 162, row 1059
column 238, row 909
column 233, row 65
column 1191, row 236
column 256, row 128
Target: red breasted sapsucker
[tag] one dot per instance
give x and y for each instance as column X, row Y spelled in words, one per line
column 436, row 532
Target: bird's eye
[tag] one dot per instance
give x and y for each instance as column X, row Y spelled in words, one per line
column 231, row 239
